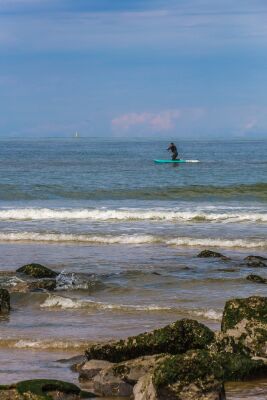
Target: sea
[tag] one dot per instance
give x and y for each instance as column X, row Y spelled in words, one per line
column 124, row 234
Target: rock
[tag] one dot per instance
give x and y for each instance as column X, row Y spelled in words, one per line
column 245, row 321
column 4, row 301
column 251, row 308
column 175, row 338
column 256, row 279
column 196, row 375
column 37, row 271
column 145, row 389
column 42, row 389
column 190, row 376
column 89, row 369
column 256, row 261
column 33, row 285
column 209, row 253
column 119, row 379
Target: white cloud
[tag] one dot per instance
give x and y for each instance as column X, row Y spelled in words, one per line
column 162, row 121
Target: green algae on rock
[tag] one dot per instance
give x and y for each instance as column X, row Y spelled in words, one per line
column 175, row 338
column 256, row 261
column 43, row 389
column 37, row 271
column 4, row 301
column 245, row 321
column 203, row 373
column 251, row 308
column 210, row 253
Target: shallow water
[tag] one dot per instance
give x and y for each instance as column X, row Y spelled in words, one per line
column 124, row 235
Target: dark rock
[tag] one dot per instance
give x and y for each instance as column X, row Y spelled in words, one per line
column 256, row 278
column 42, row 284
column 42, row 389
column 175, row 338
column 256, row 261
column 210, row 253
column 37, row 271
column 4, row 301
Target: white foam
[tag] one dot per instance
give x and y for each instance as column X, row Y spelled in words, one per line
column 133, row 214
column 209, row 314
column 134, row 239
column 66, row 303
column 43, row 344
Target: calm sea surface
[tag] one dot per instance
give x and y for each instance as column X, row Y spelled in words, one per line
column 124, row 234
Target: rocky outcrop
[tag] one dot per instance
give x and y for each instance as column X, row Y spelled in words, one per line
column 37, row 271
column 196, row 375
column 42, row 389
column 251, row 308
column 210, row 253
column 175, row 338
column 256, row 278
column 4, row 301
column 245, row 321
column 256, row 261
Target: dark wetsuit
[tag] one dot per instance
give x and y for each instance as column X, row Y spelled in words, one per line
column 174, row 151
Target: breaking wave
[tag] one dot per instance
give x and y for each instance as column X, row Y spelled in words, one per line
column 134, row 239
column 43, row 344
column 158, row 214
column 67, row 303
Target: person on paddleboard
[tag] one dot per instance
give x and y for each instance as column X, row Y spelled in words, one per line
column 174, row 151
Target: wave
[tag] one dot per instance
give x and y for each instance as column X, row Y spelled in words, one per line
column 102, row 215
column 134, row 239
column 67, row 303
column 42, row 344
column 256, row 191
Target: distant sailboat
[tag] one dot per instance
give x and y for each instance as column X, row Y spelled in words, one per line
column 76, row 135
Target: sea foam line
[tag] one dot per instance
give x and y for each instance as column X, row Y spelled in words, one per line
column 102, row 215
column 66, row 303
column 134, row 239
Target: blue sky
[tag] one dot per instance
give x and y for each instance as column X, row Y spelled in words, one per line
column 134, row 68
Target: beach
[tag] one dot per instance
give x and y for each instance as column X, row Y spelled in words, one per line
column 124, row 235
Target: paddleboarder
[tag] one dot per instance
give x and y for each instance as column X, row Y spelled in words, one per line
column 174, row 151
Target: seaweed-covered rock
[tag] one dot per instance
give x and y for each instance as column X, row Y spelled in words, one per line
column 42, row 389
column 37, row 271
column 256, row 278
column 196, row 375
column 210, row 253
column 175, row 338
column 4, row 301
column 119, row 379
column 245, row 322
column 256, row 261
column 251, row 308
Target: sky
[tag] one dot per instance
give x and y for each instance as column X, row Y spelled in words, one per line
column 133, row 68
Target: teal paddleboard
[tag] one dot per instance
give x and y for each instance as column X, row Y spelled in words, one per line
column 175, row 161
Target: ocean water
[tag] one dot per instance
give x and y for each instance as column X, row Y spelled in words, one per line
column 124, row 234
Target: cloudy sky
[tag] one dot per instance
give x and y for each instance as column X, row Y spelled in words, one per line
column 134, row 68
